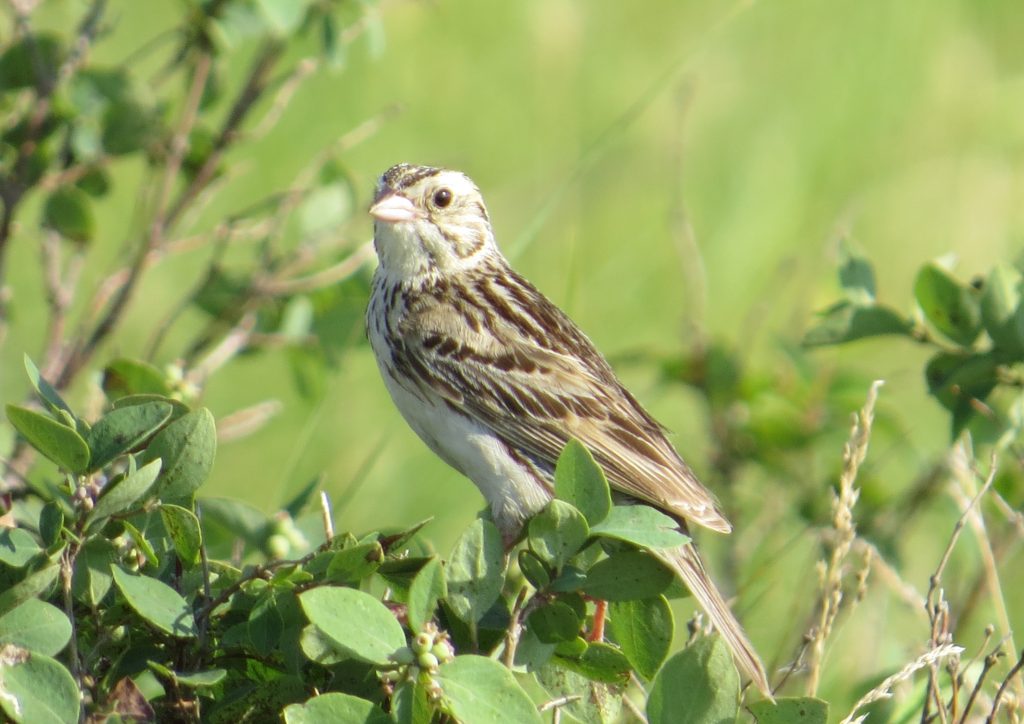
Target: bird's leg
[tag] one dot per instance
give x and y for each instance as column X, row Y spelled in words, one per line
column 597, row 630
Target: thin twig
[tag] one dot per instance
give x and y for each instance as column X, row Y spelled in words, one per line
column 318, row 280
column 990, row 661
column 328, row 517
column 162, row 219
column 1003, row 686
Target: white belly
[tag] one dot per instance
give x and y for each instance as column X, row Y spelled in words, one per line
column 513, row 493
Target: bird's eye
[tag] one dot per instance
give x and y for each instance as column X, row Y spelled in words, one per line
column 442, row 198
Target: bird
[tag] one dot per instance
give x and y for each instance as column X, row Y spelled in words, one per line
column 496, row 379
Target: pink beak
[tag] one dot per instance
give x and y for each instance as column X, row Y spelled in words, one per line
column 394, row 208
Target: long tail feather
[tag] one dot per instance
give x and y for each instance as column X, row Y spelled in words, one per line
column 687, row 563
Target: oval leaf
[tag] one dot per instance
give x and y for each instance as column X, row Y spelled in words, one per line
column 28, row 588
column 353, row 564
column 1001, row 310
column 124, row 377
column 335, row 707
column 627, row 576
column 156, row 602
column 643, row 629
column 554, row 623
column 183, row 527
column 640, row 525
column 44, row 389
column 355, row 621
column 557, row 533
column 428, row 587
column 58, row 442
column 187, row 446
column 790, row 710
column 120, row 495
column 92, row 578
column 534, row 569
column 475, row 571
column 699, row 685
column 36, row 626
column 122, row 429
column 599, row 662
column 580, row 481
column 478, row 689
column 952, row 308
column 35, row 688
column 846, row 322
column 17, row 547
column 68, row 211
column 51, row 522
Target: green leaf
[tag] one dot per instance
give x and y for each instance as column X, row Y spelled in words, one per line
column 643, row 629
column 58, row 442
column 352, row 565
column 35, row 689
column 534, row 569
column 324, row 208
column 156, row 602
column 355, row 621
column 183, row 527
column 51, row 522
column 200, row 679
column 959, row 381
column 952, row 308
column 121, row 494
column 28, row 62
column 640, row 525
column 599, row 662
column 123, row 429
column 283, row 17
column 703, row 676
column 37, row 626
column 92, row 578
column 142, row 543
column 335, row 707
column 554, row 622
column 128, row 126
column 580, row 481
column 17, row 547
column 479, row 689
column 1001, row 310
column 29, row 587
column 627, row 576
column 188, row 447
column 44, row 389
column 68, row 211
column 124, row 377
column 320, row 649
column 332, row 43
column 790, row 710
column 475, row 571
column 586, row 700
column 856, row 276
column 410, row 704
column 428, row 587
column 846, row 322
column 557, row 533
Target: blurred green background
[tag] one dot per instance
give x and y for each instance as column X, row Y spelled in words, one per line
column 664, row 171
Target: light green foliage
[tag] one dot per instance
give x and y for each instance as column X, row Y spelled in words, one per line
column 699, row 685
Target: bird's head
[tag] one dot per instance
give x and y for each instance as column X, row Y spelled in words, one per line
column 429, row 221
